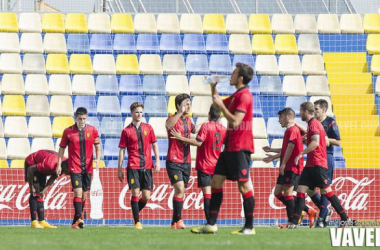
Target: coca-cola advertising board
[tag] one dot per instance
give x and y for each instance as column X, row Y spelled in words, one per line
column 356, row 188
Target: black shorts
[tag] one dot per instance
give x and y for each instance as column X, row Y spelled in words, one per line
column 288, row 179
column 178, row 172
column 81, row 181
column 234, row 165
column 204, row 180
column 140, row 178
column 313, row 177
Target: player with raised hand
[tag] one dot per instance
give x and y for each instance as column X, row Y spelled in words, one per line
column 38, row 166
column 234, row 161
column 209, row 142
column 315, row 172
column 138, row 137
column 80, row 139
column 289, row 171
column 178, row 159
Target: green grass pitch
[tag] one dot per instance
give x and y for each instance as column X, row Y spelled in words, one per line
column 110, row 238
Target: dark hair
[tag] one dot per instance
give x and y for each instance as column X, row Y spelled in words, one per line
column 322, row 103
column 136, row 105
column 180, row 98
column 214, row 113
column 287, row 111
column 245, row 71
column 80, row 111
column 308, row 106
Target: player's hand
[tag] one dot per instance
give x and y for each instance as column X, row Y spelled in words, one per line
column 298, row 158
column 267, row 149
column 33, row 191
column 268, row 159
column 58, row 171
column 282, row 169
column 157, row 166
column 97, row 165
column 217, row 101
column 120, row 175
column 43, row 192
column 175, row 134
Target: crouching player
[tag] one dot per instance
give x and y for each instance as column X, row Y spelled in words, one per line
column 209, row 141
column 38, row 166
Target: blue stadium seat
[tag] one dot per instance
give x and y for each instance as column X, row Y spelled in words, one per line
column 274, row 128
column 220, row 64
column 194, row 43
column 197, row 64
column 254, row 86
column 225, row 89
column 111, row 127
column 101, row 43
column 338, row 153
column 88, row 102
column 126, row 102
column 340, row 164
column 171, row 43
column 217, row 43
column 114, row 163
column 163, row 145
column 154, row 85
column 108, row 106
column 246, row 59
column 155, row 106
column 124, row 44
column 294, row 102
column 130, row 85
column 111, row 149
column 107, row 85
column 270, row 85
column 272, row 104
column 94, row 121
column 257, row 110
column 148, row 43
column 78, row 43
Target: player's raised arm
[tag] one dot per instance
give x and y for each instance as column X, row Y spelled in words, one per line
column 176, row 135
column 234, row 119
column 181, row 110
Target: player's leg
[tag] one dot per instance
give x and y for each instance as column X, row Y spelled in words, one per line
column 216, row 197
column 204, row 182
column 133, row 177
column 76, row 182
column 324, row 201
column 146, row 187
column 335, row 202
column 33, row 200
column 179, row 192
column 330, row 175
column 86, row 186
column 40, row 198
column 289, row 201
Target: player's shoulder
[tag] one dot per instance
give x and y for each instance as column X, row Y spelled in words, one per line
column 70, row 129
column 91, row 127
column 330, row 120
column 147, row 125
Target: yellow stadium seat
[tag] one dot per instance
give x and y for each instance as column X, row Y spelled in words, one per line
column 262, row 44
column 349, row 78
column 8, row 22
column 358, row 67
column 76, row 23
column 4, row 164
column 102, row 164
column 259, row 24
column 373, row 44
column 60, row 124
column 80, row 64
column 214, row 23
column 371, row 23
column 375, row 65
column 57, row 64
column 353, row 98
column 285, row 44
column 344, row 57
column 347, row 88
column 172, row 109
column 127, row 64
column 17, row 163
column 53, row 23
column 14, row 105
column 122, row 23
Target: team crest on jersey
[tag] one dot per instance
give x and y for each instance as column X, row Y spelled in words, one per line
column 35, row 178
column 88, row 135
column 145, row 132
column 175, row 177
column 244, row 171
column 76, row 183
column 132, row 181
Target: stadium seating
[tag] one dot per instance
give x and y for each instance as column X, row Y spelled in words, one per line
column 239, row 44
column 30, row 22
column 197, row 87
column 9, row 43
column 99, row 23
column 61, row 105
column 168, row 23
column 271, row 85
column 107, row 85
column 258, row 128
column 60, row 85
column 158, row 125
column 148, row 43
column 78, row 43
column 285, row 44
column 309, row 44
column 328, row 23
column 124, row 43
column 194, row 43
column 294, row 85
column 153, row 85
column 371, row 23
column 130, row 85
column 282, row 23
column 351, row 23
column 317, row 85
column 220, row 64
column 111, row 148
column 373, row 46
column 41, row 143
column 52, row 23
column 266, row 65
column 55, row 43
column 274, row 128
column 295, row 102
column 83, row 85
column 259, row 24
column 14, row 105
column 111, row 127
column 57, row 64
column 8, row 22
column 34, row 64
column 176, row 85
column 104, row 64
column 10, row 63
column 247, row 59
column 12, row 84
column 122, row 23
column 145, row 23
column 150, row 64
column 15, row 126
column 18, row 148
column 236, row 24
column 259, row 152
column 101, row 43
column 197, row 64
column 80, row 64
column 31, row 43
column 108, row 106
column 213, row 23
column 191, row 23
column 58, row 141
column 262, row 44
column 216, row 43
column 313, row 65
column 59, row 124
column 3, row 154
column 171, row 44
column 86, row 101
column 126, row 102
column 76, row 23
column 201, row 105
column 174, row 64
column 305, row 23
column 39, row 127
column 289, row 65
column 36, row 84
column 37, row 105
column 1, row 129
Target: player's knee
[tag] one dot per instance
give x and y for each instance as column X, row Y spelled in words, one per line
column 244, row 187
column 78, row 193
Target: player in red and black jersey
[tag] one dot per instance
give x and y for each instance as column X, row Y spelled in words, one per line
column 289, row 171
column 138, row 137
column 178, row 159
column 234, row 161
column 315, row 172
column 80, row 139
column 38, row 166
column 209, row 140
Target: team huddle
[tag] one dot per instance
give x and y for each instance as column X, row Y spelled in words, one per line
column 221, row 154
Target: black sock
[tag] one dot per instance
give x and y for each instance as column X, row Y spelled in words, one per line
column 249, row 207
column 316, row 198
column 40, row 209
column 135, row 208
column 306, row 209
column 215, row 203
column 290, row 207
column 142, row 204
column 281, row 198
column 206, row 204
column 335, row 202
column 300, row 203
column 177, row 209
column 33, row 207
column 324, row 204
column 78, row 209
